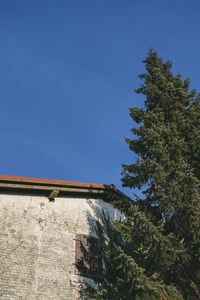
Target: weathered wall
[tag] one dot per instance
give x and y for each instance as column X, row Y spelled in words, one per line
column 37, row 244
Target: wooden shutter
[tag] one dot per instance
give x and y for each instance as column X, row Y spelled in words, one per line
column 88, row 256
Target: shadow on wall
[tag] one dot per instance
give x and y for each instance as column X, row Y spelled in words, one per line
column 95, row 209
column 89, row 256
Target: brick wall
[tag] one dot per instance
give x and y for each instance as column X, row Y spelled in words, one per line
column 37, row 244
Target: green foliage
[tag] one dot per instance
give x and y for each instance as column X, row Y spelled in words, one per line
column 124, row 278
column 167, row 143
column 155, row 252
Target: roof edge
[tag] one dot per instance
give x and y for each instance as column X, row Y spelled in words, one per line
column 41, row 184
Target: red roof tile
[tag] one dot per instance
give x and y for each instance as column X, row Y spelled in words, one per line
column 52, row 181
column 8, row 179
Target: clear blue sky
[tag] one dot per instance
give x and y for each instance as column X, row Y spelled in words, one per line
column 67, row 74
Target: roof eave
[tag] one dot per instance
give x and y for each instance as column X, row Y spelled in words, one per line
column 14, row 185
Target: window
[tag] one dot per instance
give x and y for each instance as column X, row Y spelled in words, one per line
column 88, row 256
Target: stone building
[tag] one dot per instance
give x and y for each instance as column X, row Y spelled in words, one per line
column 47, row 236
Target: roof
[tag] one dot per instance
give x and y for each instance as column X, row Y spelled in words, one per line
column 45, row 180
column 62, row 187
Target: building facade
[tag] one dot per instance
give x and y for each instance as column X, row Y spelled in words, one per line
column 47, row 227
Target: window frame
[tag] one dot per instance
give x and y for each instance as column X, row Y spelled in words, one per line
column 85, row 261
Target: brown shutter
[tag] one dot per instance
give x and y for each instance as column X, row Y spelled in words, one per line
column 88, row 256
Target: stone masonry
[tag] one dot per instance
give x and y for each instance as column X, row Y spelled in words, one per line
column 37, row 244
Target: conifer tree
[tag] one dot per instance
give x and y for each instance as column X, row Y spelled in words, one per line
column 167, row 144
column 154, row 253
column 124, row 278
